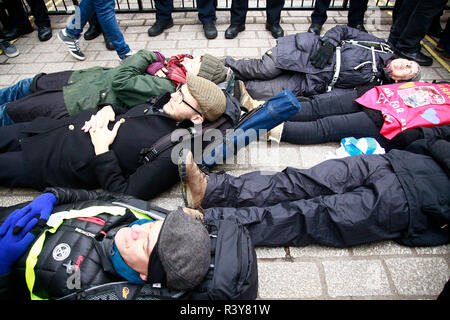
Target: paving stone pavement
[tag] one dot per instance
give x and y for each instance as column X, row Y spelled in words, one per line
column 383, row 270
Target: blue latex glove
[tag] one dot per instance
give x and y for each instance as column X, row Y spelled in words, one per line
column 42, row 206
column 13, row 246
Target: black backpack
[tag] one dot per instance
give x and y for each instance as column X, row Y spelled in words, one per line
column 233, row 272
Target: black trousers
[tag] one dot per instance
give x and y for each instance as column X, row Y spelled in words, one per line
column 20, row 17
column 412, row 22
column 339, row 203
column 355, row 16
column 330, row 117
column 239, row 10
column 45, row 98
column 206, row 10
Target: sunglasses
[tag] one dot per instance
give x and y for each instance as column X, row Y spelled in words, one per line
column 180, row 95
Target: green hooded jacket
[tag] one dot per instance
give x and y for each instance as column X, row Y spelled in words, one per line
column 126, row 86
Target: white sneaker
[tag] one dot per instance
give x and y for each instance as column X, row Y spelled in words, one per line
column 125, row 56
column 72, row 44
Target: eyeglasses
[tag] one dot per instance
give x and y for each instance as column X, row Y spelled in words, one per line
column 180, row 99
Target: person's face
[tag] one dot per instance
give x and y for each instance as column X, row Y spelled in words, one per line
column 192, row 65
column 181, row 106
column 403, row 69
column 135, row 244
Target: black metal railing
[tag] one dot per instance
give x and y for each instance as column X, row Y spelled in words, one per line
column 138, row 6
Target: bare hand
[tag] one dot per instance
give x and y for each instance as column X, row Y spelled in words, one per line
column 102, row 138
column 161, row 73
column 100, row 119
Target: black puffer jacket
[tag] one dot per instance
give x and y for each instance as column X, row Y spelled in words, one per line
column 294, row 53
column 77, row 255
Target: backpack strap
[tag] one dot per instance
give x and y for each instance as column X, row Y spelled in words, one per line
column 168, row 141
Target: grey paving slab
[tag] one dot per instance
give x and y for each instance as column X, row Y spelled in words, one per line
column 419, row 276
column 289, row 280
column 356, row 278
column 383, row 270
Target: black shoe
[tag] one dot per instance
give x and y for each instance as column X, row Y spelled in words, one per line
column 233, row 30
column 159, row 27
column 418, row 57
column 108, row 43
column 210, row 30
column 360, row 27
column 16, row 32
column 92, row 32
column 44, row 33
column 275, row 29
column 315, row 28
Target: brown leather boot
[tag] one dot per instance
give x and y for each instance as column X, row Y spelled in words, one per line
column 245, row 99
column 194, row 181
column 197, row 215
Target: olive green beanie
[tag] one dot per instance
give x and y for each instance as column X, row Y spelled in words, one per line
column 212, row 69
column 209, row 96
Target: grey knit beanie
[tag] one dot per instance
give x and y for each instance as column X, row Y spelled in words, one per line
column 184, row 248
column 212, row 69
column 209, row 96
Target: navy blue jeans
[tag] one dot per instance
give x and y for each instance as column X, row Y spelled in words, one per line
column 107, row 18
column 12, row 93
column 330, row 117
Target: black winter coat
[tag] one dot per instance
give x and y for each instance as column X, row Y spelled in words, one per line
column 59, row 153
column 423, row 169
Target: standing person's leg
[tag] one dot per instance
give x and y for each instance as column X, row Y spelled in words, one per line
column 207, row 16
column 42, row 20
column 403, row 14
column 273, row 12
column 107, row 18
column 19, row 17
column 444, row 41
column 319, row 15
column 238, row 14
column 356, row 14
column 71, row 34
column 164, row 20
column 407, row 45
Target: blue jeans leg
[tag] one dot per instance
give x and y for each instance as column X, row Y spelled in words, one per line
column 107, row 18
column 16, row 91
column 12, row 93
column 83, row 14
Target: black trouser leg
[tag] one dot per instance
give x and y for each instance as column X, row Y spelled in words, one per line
column 356, row 12
column 17, row 13
column 319, row 15
column 406, row 33
column 40, row 12
column 273, row 11
column 238, row 11
column 338, row 203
